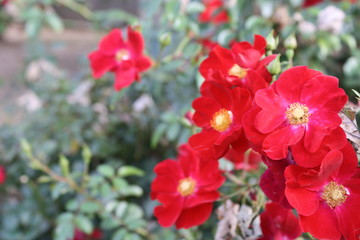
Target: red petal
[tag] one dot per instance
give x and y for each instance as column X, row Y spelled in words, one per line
column 320, row 124
column 194, row 216
column 322, row 224
column 112, row 42
column 276, row 144
column 217, row 91
column 290, row 83
column 143, row 63
column 219, row 59
column 167, row 215
column 323, row 92
column 135, row 41
column 100, row 64
column 349, row 218
column 124, row 78
column 205, row 108
column 260, row 43
column 304, row 201
column 201, row 198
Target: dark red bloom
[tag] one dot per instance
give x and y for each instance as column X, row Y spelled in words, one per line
column 240, row 66
column 327, row 198
column 278, row 223
column 301, row 106
column 219, row 113
column 95, row 235
column 124, row 58
column 2, row 175
column 212, row 13
column 272, row 181
column 186, row 188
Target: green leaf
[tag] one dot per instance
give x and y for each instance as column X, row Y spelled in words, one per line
column 86, row 154
column 33, row 27
column 121, row 209
column 133, row 212
column 173, row 131
column 159, row 131
column 64, row 227
column 106, row 170
column 349, row 40
column 120, row 234
column 54, row 21
column 225, row 36
column 134, row 190
column 125, row 171
column 83, row 223
column 120, row 184
column 195, row 7
column 89, row 207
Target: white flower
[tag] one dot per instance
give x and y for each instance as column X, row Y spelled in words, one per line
column 331, row 19
column 30, row 101
column 143, row 102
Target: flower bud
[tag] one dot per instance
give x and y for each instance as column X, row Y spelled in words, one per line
column 274, row 67
column 165, row 39
column 290, row 42
column 271, row 41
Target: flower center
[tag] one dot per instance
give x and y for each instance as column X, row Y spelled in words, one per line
column 221, row 120
column 186, row 186
column 334, row 194
column 122, row 55
column 297, row 113
column 237, row 71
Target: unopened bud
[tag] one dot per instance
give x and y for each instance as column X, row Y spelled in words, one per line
column 274, row 67
column 290, row 53
column 290, row 42
column 165, row 39
column 271, row 41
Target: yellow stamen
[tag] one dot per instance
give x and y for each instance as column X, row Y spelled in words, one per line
column 221, row 120
column 122, row 55
column 237, row 71
column 297, row 113
column 334, row 194
column 186, row 186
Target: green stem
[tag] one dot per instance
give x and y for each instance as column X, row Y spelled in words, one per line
column 77, row 7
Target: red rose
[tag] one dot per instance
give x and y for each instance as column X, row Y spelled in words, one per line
column 240, row 66
column 327, row 198
column 2, row 175
column 124, row 58
column 301, row 106
column 186, row 188
column 212, row 13
column 278, row 223
column 219, row 113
